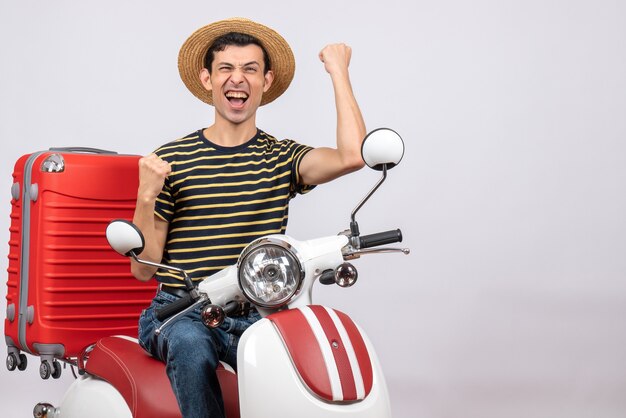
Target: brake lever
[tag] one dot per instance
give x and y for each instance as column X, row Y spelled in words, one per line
column 354, row 253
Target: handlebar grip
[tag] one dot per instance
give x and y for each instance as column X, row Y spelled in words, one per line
column 231, row 307
column 327, row 277
column 380, row 238
column 174, row 307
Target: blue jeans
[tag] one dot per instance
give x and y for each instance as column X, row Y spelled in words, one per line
column 191, row 353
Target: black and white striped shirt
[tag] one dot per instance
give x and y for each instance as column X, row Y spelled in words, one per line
column 218, row 199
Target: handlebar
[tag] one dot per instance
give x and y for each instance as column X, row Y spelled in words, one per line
column 174, row 307
column 380, row 238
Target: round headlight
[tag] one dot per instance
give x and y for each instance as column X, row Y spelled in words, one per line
column 270, row 274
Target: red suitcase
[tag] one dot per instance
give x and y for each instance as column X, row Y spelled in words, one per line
column 66, row 287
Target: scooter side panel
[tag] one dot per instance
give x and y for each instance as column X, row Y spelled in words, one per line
column 94, row 398
column 270, row 385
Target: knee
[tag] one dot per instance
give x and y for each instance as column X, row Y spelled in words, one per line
column 197, row 346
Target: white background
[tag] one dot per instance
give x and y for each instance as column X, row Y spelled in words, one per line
column 510, row 195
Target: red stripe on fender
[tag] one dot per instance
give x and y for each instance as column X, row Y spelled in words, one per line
column 363, row 357
column 338, row 348
column 304, row 350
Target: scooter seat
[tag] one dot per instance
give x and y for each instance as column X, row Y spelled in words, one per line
column 142, row 381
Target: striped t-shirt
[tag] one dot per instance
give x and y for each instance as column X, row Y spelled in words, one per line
column 218, row 199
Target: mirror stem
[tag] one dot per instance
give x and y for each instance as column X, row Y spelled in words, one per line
column 354, row 226
column 366, row 198
column 186, row 279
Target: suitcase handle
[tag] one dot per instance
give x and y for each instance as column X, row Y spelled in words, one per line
column 82, row 149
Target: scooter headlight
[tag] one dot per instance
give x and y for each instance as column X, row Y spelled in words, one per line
column 270, row 273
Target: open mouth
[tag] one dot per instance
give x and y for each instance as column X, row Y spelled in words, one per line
column 236, row 98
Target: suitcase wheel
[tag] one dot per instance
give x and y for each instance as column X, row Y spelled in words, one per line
column 23, row 362
column 14, row 361
column 46, row 370
column 11, row 362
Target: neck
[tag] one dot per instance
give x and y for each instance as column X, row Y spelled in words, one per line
column 228, row 134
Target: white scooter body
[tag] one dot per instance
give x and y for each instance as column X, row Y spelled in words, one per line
column 270, row 384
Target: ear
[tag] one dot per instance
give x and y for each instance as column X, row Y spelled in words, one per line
column 269, row 78
column 205, row 79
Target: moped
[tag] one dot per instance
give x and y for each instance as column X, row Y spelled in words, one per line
column 300, row 359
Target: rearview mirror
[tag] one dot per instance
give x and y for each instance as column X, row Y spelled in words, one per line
column 125, row 238
column 382, row 150
column 382, row 147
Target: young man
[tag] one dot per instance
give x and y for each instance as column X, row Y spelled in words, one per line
column 204, row 197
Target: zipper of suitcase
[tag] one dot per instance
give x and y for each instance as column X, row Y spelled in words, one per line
column 29, row 193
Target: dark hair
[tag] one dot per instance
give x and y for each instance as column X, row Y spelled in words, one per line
column 237, row 39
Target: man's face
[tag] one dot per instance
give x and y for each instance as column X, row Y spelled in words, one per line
column 237, row 82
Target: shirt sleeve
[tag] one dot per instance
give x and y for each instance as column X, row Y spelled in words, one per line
column 299, row 151
column 164, row 205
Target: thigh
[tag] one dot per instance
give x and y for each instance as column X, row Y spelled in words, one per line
column 188, row 337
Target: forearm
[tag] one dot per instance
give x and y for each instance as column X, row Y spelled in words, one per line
column 152, row 174
column 146, row 221
column 321, row 165
column 350, row 124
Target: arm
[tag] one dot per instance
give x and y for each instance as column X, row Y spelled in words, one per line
column 321, row 165
column 152, row 174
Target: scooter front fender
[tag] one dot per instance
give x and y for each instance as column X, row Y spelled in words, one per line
column 325, row 374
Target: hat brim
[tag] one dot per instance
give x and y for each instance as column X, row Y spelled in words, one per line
column 192, row 54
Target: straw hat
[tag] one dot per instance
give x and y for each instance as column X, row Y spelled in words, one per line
column 193, row 51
